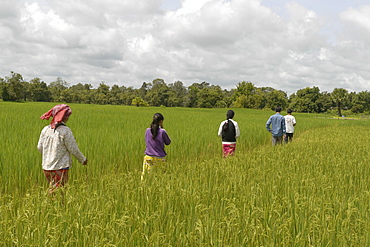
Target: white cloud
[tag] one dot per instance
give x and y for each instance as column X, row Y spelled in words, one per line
column 219, row 41
column 359, row 17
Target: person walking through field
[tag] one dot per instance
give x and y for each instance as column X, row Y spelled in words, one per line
column 156, row 138
column 57, row 144
column 290, row 122
column 229, row 132
column 276, row 126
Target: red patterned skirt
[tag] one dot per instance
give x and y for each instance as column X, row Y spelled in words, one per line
column 57, row 178
column 228, row 150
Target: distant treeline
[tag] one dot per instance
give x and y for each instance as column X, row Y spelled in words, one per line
column 200, row 95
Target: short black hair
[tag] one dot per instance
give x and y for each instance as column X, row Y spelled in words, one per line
column 278, row 109
column 289, row 111
column 230, row 114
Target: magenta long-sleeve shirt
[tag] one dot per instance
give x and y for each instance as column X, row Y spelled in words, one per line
column 156, row 147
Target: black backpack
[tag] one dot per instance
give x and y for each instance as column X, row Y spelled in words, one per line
column 228, row 135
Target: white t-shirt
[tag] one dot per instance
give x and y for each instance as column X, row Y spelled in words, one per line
column 289, row 123
column 56, row 146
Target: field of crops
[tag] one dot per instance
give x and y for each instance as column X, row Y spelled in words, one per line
column 312, row 192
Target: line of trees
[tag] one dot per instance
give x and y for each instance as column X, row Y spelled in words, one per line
column 201, row 95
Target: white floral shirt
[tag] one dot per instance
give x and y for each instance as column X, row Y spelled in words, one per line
column 56, row 146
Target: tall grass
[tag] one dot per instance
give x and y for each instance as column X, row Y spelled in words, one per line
column 312, row 192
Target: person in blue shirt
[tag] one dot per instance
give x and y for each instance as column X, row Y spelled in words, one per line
column 276, row 126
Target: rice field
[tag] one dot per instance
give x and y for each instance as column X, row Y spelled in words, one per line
column 312, row 192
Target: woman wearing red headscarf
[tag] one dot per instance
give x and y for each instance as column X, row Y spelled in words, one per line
column 57, row 144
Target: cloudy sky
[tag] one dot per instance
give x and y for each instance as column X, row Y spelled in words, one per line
column 284, row 44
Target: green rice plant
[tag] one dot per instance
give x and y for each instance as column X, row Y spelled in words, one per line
column 311, row 192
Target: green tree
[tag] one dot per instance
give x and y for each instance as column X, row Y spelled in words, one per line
column 101, row 94
column 339, row 97
column 271, row 98
column 115, row 95
column 4, row 90
column 128, row 95
column 192, row 97
column 158, row 94
column 259, row 99
column 324, row 102
column 39, row 90
column 305, row 100
column 138, row 101
column 80, row 93
column 227, row 99
column 16, row 88
column 57, row 89
column 209, row 97
column 177, row 94
column 359, row 102
column 244, row 95
column 143, row 90
column 75, row 92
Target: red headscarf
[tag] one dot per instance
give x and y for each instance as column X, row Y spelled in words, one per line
column 58, row 112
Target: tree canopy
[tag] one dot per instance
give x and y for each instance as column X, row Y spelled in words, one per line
column 200, row 95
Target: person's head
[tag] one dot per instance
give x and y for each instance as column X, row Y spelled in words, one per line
column 156, row 123
column 289, row 111
column 230, row 114
column 59, row 113
column 278, row 109
column 157, row 119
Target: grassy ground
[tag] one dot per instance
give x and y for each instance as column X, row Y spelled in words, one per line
column 312, row 192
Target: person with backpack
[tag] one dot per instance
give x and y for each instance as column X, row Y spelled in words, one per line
column 229, row 132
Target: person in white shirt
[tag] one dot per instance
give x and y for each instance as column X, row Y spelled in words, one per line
column 290, row 122
column 229, row 132
column 57, row 144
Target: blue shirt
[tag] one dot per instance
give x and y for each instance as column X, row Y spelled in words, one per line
column 278, row 125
